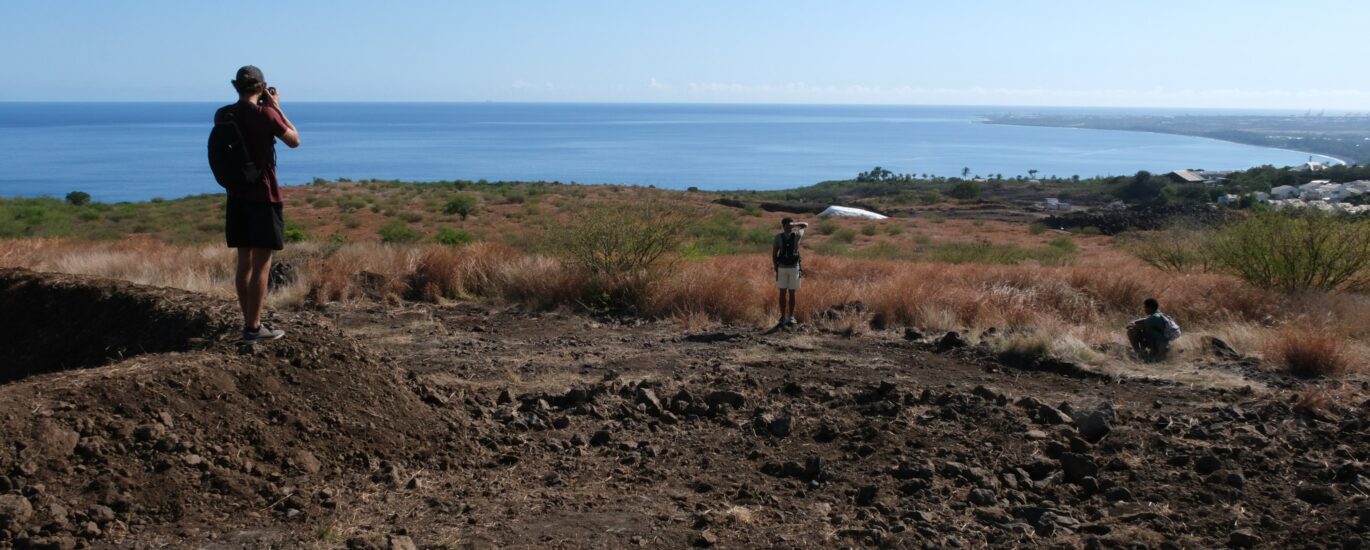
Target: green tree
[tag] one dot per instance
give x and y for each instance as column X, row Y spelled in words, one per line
column 965, row 190
column 78, row 198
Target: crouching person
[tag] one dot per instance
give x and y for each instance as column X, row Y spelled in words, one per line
column 1150, row 336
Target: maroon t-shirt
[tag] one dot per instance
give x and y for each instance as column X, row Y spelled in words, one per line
column 260, row 126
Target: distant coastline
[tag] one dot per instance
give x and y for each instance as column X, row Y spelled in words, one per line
column 1341, row 139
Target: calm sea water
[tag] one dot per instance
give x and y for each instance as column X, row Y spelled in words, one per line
column 137, row 151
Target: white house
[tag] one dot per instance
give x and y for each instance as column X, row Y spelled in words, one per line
column 1284, row 192
column 1261, row 196
column 1345, row 192
column 1229, row 199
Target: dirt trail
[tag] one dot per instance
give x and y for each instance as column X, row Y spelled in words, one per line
column 377, row 426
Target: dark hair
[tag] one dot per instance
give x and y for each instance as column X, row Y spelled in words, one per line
column 787, row 221
column 1151, row 304
column 245, row 87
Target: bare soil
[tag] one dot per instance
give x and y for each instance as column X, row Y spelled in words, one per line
column 431, row 426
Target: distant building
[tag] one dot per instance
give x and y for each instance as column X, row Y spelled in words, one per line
column 1229, row 200
column 1186, row 176
column 1284, row 192
column 1261, row 196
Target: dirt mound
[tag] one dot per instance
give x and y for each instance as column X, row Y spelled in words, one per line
column 218, row 436
column 56, row 322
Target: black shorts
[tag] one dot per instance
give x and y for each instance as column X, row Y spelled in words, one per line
column 252, row 224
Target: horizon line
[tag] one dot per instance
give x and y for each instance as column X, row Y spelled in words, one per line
column 696, row 103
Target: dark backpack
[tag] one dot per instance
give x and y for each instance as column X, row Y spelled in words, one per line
column 789, row 249
column 228, row 156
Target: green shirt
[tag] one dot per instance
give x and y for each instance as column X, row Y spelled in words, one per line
column 1153, row 327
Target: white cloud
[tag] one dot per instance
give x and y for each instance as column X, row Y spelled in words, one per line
column 657, row 84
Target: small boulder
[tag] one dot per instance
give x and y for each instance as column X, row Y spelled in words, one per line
column 1222, row 349
column 950, row 341
column 1243, row 538
column 1207, row 464
column 400, row 542
column 1316, row 494
column 15, row 511
column 982, row 497
column 1076, row 467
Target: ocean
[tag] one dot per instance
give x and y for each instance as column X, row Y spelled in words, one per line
column 139, row 151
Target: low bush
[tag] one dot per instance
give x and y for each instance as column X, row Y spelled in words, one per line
column 453, row 237
column 460, row 205
column 827, row 226
column 1178, row 249
column 1308, row 353
column 398, row 232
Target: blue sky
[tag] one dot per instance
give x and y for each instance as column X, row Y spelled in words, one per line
column 1161, row 53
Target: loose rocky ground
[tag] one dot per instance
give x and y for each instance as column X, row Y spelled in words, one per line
column 425, row 426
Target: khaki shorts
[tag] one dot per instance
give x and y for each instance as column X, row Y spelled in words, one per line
column 787, row 277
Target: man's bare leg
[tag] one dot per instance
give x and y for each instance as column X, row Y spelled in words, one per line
column 253, row 284
column 782, row 306
column 791, row 315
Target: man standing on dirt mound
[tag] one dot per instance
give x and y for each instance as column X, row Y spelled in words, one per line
column 785, row 261
column 255, row 223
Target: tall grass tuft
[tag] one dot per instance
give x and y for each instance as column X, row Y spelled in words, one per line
column 1309, row 354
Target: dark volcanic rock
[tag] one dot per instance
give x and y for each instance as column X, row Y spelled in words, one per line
column 950, row 341
column 1222, row 349
column 730, row 398
column 1243, row 539
column 1316, row 494
column 1207, row 464
column 1077, row 467
column 982, row 497
column 1095, row 423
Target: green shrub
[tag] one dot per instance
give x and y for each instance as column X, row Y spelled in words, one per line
column 827, row 226
column 894, row 229
column 399, row 232
column 618, row 245
column 844, row 235
column 1037, row 228
column 452, row 237
column 410, row 216
column 965, row 190
column 78, row 198
column 869, row 230
column 1295, row 251
column 1063, row 243
column 461, row 205
column 1178, row 249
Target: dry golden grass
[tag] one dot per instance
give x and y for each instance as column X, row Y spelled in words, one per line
column 1070, row 311
column 1309, row 353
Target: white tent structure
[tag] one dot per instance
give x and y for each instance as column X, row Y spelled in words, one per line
column 849, row 212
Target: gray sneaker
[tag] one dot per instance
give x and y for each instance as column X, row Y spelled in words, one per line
column 264, row 333
column 791, row 321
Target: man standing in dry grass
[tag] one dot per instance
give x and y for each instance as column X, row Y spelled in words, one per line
column 785, row 261
column 255, row 224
